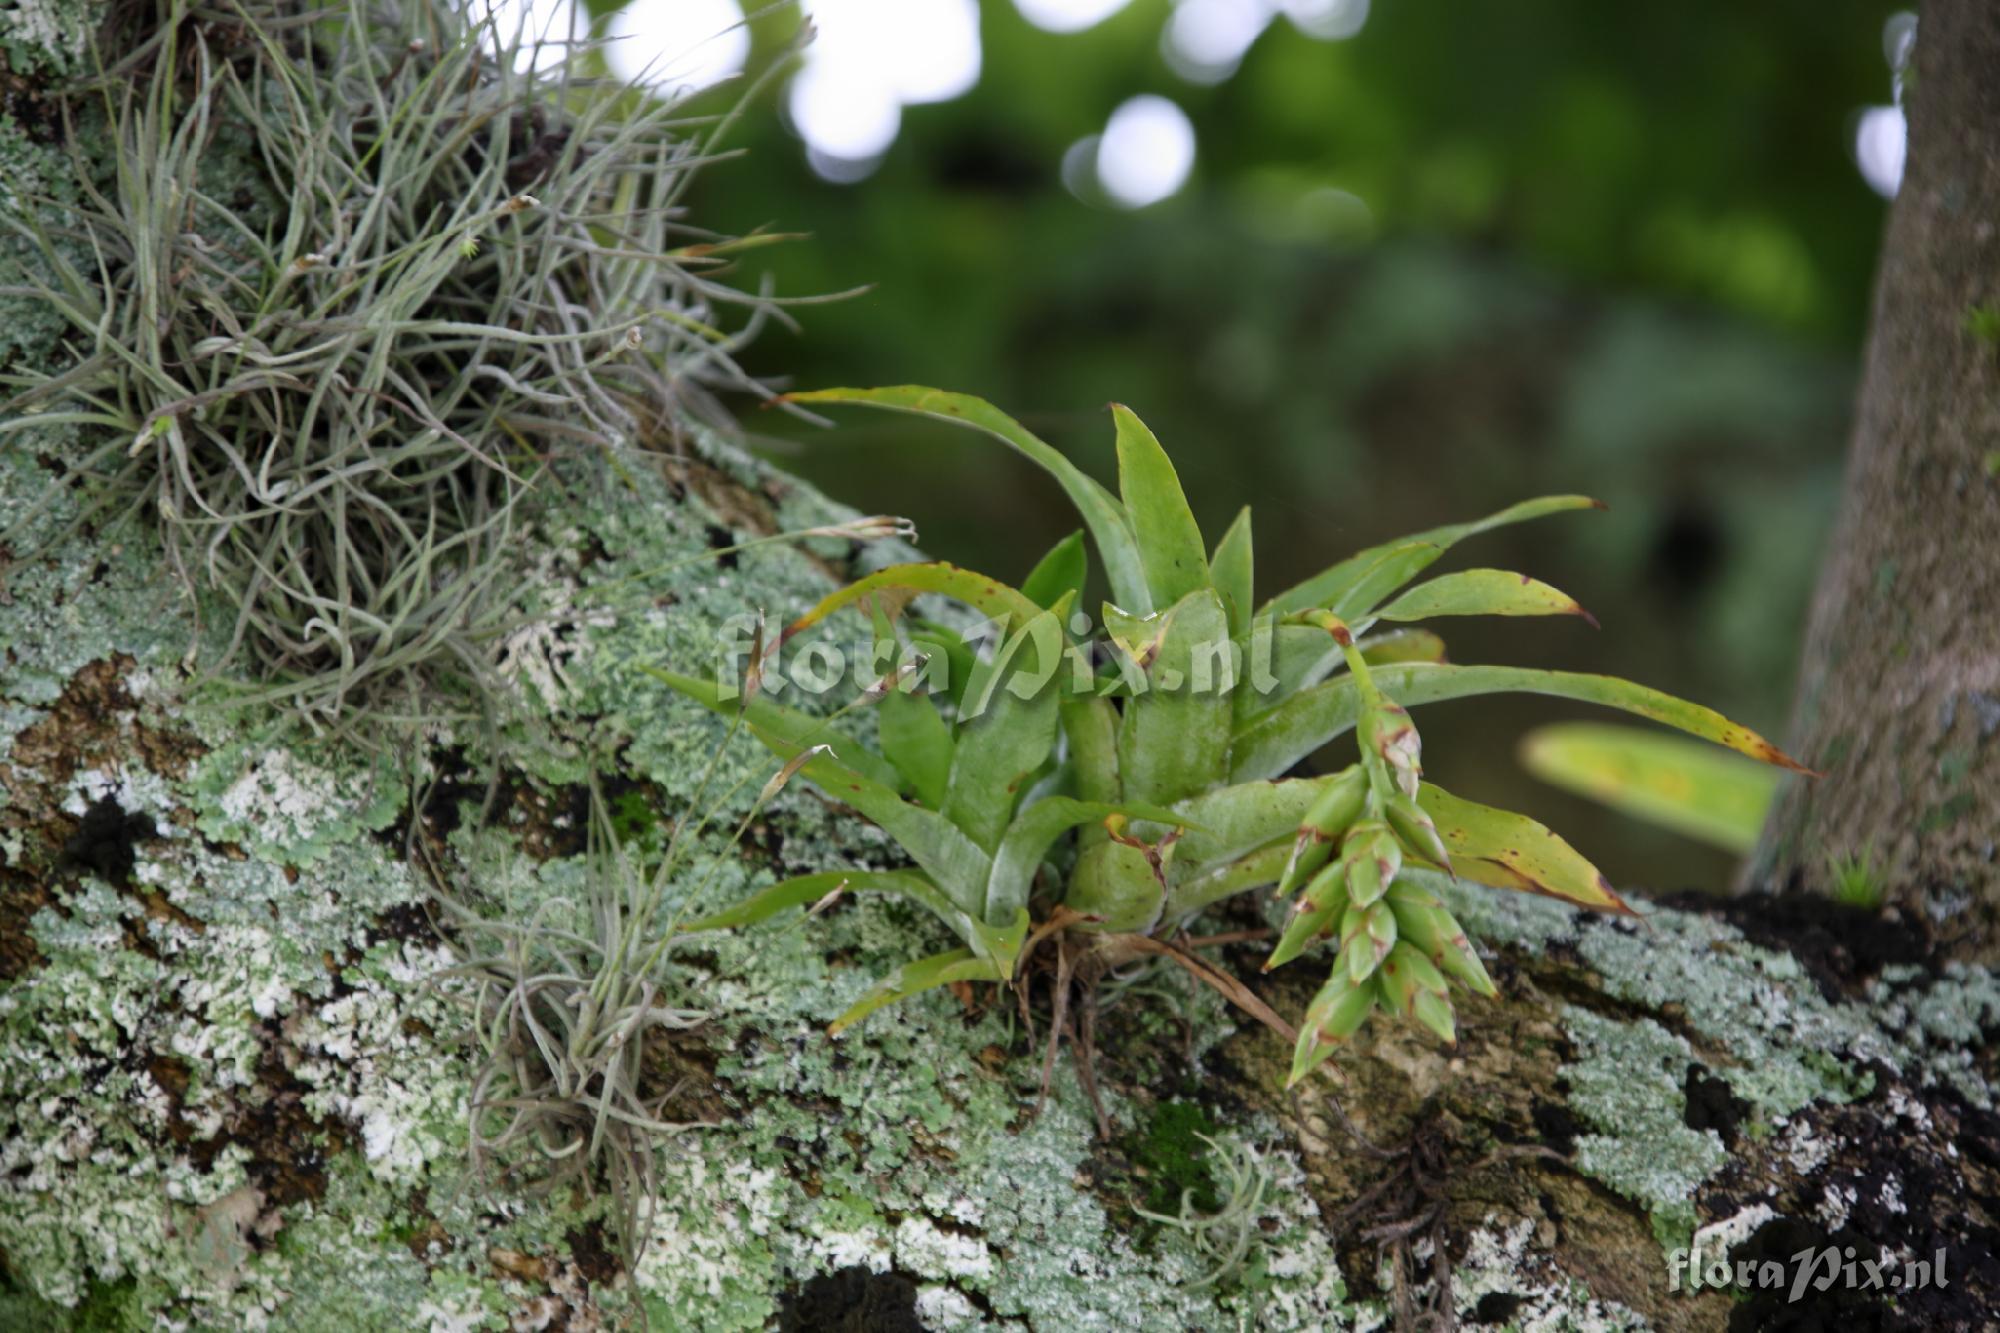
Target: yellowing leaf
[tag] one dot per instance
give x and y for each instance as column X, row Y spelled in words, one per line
column 912, row 978
column 892, row 589
column 1511, row 851
column 1482, row 592
column 1272, row 741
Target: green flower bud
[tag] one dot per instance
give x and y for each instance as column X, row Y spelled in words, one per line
column 1371, row 856
column 1313, row 917
column 1423, row 922
column 1338, row 805
column 1387, row 730
column 1367, row 934
column 1415, row 828
column 1335, row 1014
column 1435, row 1012
column 1409, row 985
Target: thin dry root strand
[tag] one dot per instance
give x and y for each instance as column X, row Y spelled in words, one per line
column 1082, row 961
column 1409, row 1203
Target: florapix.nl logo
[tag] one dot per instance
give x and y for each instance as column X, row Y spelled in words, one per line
column 1809, row 1270
column 1117, row 658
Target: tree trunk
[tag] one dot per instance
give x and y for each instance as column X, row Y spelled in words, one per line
column 1899, row 699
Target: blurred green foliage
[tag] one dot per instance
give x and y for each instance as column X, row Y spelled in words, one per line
column 1471, row 254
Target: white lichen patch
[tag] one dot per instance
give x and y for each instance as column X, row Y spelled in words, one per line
column 48, row 34
column 372, row 1058
column 289, row 807
column 710, row 1249
column 946, row 1308
column 139, row 1048
column 136, row 790
column 928, row 1251
column 1501, row 1258
column 1720, row 1237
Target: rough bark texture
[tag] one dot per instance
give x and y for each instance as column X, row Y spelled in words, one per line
column 234, row 1079
column 1899, row 699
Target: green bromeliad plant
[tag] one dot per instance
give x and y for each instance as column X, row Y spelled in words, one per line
column 1165, row 751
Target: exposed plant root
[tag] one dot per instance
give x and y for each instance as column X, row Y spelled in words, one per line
column 1409, row 1204
column 1082, row 961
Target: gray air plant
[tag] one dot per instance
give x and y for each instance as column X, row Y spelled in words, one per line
column 1169, row 759
column 360, row 280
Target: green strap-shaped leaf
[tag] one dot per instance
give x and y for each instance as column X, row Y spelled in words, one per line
column 955, row 863
column 1511, row 851
column 947, row 644
column 773, row 718
column 917, row 742
column 1279, row 737
column 1284, row 659
column 1483, row 592
column 1031, row 835
column 892, row 589
column 1222, row 879
column 1090, row 727
column 998, row 945
column 1173, row 737
column 1170, row 545
column 1230, row 821
column 1101, row 511
column 913, row 978
column 1008, row 736
column 1358, row 582
column 1232, row 570
column 1062, row 571
column 1678, row 784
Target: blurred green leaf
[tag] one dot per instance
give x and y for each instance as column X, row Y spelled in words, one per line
column 1678, row 784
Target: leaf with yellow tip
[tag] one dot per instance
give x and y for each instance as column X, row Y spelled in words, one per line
column 893, row 588
column 1510, row 851
column 1482, row 592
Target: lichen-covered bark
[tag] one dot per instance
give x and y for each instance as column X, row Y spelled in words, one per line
column 1899, row 700
column 234, row 1072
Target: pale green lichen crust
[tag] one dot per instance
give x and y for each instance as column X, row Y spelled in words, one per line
column 47, row 36
column 1746, row 1015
